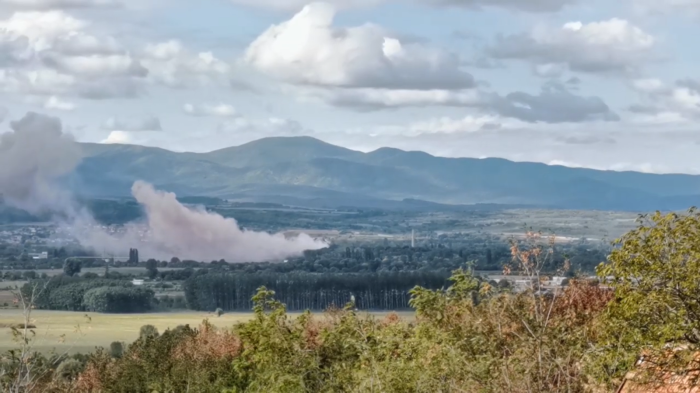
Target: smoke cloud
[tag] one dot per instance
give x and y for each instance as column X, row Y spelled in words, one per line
column 33, row 157
column 36, row 154
column 203, row 235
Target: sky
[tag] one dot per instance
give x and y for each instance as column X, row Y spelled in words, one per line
column 602, row 84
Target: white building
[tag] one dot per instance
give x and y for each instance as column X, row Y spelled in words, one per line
column 41, row 255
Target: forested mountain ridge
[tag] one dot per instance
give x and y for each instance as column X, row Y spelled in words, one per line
column 306, row 168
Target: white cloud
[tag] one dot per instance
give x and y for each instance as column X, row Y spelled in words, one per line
column 60, row 57
column 308, row 49
column 682, row 7
column 171, row 64
column 521, row 5
column 58, row 4
column 54, row 102
column 150, row 123
column 54, row 53
column 36, row 82
column 97, row 65
column 373, row 99
column 124, row 137
column 42, row 29
column 448, row 125
column 555, row 103
column 211, row 110
column 664, row 103
column 610, row 46
column 272, row 126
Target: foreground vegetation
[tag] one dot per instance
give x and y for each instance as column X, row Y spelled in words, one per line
column 471, row 336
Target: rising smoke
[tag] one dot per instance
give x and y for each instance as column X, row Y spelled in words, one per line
column 36, row 154
column 32, row 158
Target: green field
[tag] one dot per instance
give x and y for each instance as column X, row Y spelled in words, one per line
column 75, row 332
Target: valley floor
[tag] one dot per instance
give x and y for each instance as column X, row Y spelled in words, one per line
column 80, row 332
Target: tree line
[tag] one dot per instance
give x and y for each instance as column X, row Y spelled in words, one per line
column 309, row 291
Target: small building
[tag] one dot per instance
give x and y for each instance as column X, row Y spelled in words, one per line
column 41, row 255
column 137, row 281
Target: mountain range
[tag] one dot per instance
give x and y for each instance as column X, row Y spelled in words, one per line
column 307, row 171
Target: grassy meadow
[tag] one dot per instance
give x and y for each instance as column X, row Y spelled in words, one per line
column 79, row 332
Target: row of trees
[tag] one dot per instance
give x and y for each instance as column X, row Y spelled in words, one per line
column 302, row 291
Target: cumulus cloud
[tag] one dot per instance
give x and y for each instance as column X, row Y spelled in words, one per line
column 58, row 4
column 171, row 64
column 296, row 5
column 150, row 123
column 555, row 103
column 444, row 125
column 97, row 65
column 54, row 102
column 610, row 46
column 670, row 102
column 272, row 126
column 683, row 7
column 309, row 50
column 210, row 110
column 374, row 99
column 520, row 5
column 53, row 54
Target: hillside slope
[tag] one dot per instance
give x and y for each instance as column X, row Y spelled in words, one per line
column 306, row 168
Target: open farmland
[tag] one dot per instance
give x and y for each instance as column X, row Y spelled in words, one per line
column 80, row 332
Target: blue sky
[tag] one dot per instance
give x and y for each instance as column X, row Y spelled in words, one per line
column 600, row 84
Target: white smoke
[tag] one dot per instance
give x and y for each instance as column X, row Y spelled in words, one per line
column 37, row 153
column 33, row 156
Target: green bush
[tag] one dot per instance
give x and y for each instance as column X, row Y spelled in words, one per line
column 116, row 349
column 148, row 331
column 68, row 370
column 118, row 299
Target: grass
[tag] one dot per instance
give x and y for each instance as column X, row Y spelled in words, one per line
column 78, row 332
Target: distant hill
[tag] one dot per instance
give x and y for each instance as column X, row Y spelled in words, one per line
column 305, row 170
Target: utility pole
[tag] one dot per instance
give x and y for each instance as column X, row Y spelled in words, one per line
column 413, row 238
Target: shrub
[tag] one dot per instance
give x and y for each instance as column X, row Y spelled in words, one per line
column 148, row 331
column 68, row 370
column 219, row 312
column 116, row 349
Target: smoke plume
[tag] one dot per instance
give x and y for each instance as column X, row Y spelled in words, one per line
column 33, row 156
column 203, row 235
column 37, row 153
